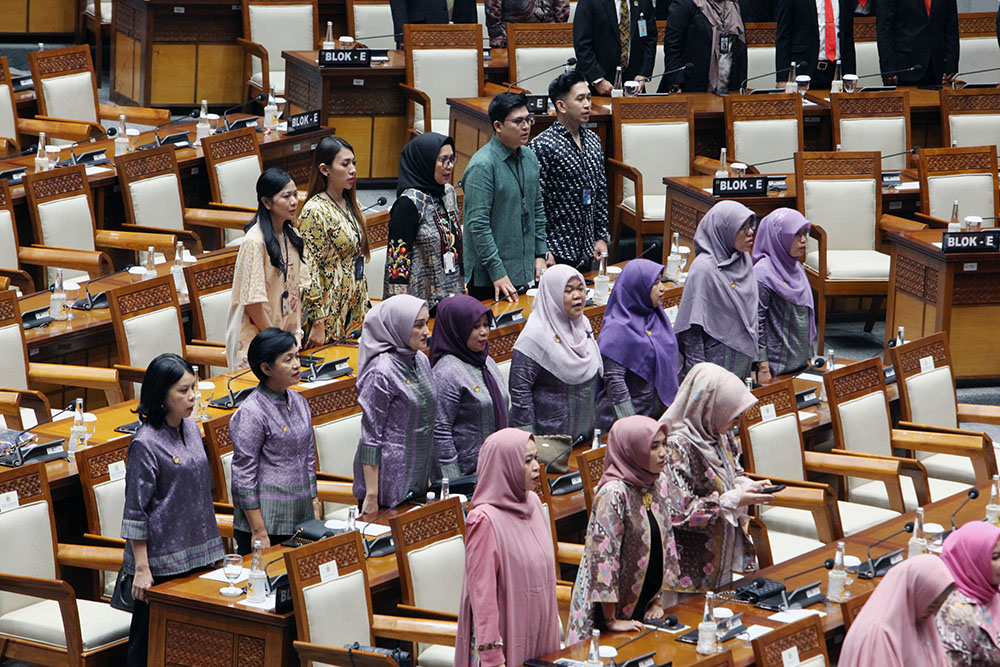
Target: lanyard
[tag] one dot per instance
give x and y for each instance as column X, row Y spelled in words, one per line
column 517, row 177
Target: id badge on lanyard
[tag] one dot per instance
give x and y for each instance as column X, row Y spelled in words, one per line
column 643, row 30
column 359, row 268
column 286, row 306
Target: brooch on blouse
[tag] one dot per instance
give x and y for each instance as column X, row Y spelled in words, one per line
column 177, row 460
column 475, row 389
column 648, row 332
column 733, row 285
column 556, row 339
column 647, row 500
column 407, row 380
column 284, row 429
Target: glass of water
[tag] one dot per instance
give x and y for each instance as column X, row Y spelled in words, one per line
column 850, row 83
column 232, row 569
column 802, row 81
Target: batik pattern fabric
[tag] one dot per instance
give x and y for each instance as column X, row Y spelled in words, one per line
column 501, row 12
column 784, row 332
column 625, row 394
column 963, row 625
column 545, row 405
column 697, row 346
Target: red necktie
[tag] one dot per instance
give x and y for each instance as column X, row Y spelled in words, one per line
column 927, row 3
column 831, row 31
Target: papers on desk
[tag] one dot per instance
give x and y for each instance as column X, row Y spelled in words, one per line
column 217, row 575
column 808, row 103
column 93, row 171
column 793, row 615
column 266, row 605
column 755, row 631
column 709, row 191
column 908, row 185
column 803, row 415
column 369, row 529
column 936, row 244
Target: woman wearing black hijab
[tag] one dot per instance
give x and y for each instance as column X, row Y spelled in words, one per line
column 425, row 231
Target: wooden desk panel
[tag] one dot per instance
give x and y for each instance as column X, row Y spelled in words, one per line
column 23, row 20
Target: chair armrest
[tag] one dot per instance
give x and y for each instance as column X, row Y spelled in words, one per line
column 130, row 373
column 251, row 48
column 619, row 169
column 70, row 130
column 965, row 445
column 330, row 477
column 894, row 223
column 908, row 467
column 190, row 239
column 910, row 426
column 931, row 221
column 815, row 498
column 19, row 278
column 334, row 655
column 138, row 241
column 94, row 262
column 8, row 145
column 225, row 523
column 569, row 553
column 410, row 611
column 336, row 492
column 885, row 470
column 705, row 166
column 206, row 354
column 206, row 343
column 104, row 379
column 91, row 558
column 223, row 508
column 231, row 207
column 418, row 96
column 979, row 414
column 818, row 233
column 414, row 629
column 490, row 89
column 93, row 129
column 222, row 219
column 139, row 115
column 104, row 541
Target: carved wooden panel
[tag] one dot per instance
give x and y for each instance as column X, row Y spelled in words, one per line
column 7, row 310
column 129, row 21
column 596, row 321
column 3, row 199
column 807, row 640
column 977, row 102
column 981, row 161
column 976, row 25
column 249, row 651
column 861, row 381
column 144, row 167
column 231, row 147
column 910, row 359
column 684, row 218
column 659, row 111
column 64, row 63
column 548, row 36
column 976, row 289
column 781, row 400
column 763, row 108
column 222, row 440
column 457, row 38
column 860, row 166
column 595, row 468
column 910, row 277
column 55, row 186
column 301, row 90
column 864, row 31
column 219, row 276
column 502, row 347
column 158, row 295
column 761, row 34
column 378, row 234
column 97, row 465
column 346, row 555
column 28, row 487
column 359, row 101
column 871, row 106
column 200, row 28
column 190, row 644
column 298, row 166
column 429, row 528
column 333, row 401
column 671, row 301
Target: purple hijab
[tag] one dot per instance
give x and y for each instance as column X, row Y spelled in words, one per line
column 777, row 269
column 636, row 333
column 720, row 294
column 388, row 326
column 456, row 316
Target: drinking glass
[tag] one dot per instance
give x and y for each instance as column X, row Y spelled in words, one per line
column 72, row 290
column 213, row 121
column 803, row 81
column 631, row 88
column 850, row 83
column 133, row 139
column 90, row 424
column 207, row 390
column 232, row 568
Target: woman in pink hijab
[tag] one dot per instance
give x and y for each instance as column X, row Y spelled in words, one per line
column 508, row 612
column 896, row 626
column 969, row 620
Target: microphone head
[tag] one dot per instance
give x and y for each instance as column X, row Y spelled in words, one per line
column 112, row 132
column 671, row 620
column 973, row 494
column 571, row 61
column 688, row 65
column 908, row 527
column 916, row 68
column 381, row 201
column 828, row 563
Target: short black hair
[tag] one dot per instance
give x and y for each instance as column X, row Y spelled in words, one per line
column 562, row 84
column 266, row 347
column 504, row 103
column 162, row 373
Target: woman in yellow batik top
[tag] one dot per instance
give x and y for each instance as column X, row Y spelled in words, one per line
column 333, row 227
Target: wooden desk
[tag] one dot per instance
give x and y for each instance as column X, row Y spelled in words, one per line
column 366, row 105
column 957, row 293
column 24, row 20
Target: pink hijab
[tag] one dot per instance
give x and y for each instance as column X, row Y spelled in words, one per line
column 968, row 554
column 886, row 632
column 527, row 611
column 629, row 444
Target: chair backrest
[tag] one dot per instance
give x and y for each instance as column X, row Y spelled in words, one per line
column 13, row 372
column 852, row 606
column 62, row 211
column 433, row 49
column 64, row 83
column 806, row 635
column 965, row 174
column 859, row 407
column 865, row 45
column 656, row 136
column 842, row 193
column 371, row 17
column 17, row 407
column 30, row 549
column 151, row 188
column 219, row 449
column 345, row 598
column 978, row 48
column 873, row 121
column 760, row 53
column 147, row 320
column 533, row 48
column 770, row 433
column 658, row 66
column 377, row 225
column 8, row 229
column 103, row 498
column 8, row 109
column 764, row 127
column 336, row 418
column 210, row 286
column 591, row 463
column 430, row 554
column 926, row 388
column 502, row 340
column 233, row 163
column 970, row 117
column 280, row 25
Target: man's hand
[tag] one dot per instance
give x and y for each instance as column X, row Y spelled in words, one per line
column 505, row 288
column 540, row 265
column 890, row 80
column 947, row 78
column 603, row 88
column 600, row 247
column 642, row 84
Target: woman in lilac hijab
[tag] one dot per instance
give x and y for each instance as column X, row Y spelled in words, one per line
column 786, row 321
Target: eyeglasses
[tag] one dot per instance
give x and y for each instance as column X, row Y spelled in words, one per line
column 750, row 226
column 520, row 122
column 445, row 160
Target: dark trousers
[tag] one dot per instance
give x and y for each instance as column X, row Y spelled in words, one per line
column 244, row 541
column 484, row 292
column 138, row 632
column 821, row 79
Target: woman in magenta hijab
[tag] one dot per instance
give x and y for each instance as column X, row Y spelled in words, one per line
column 896, row 626
column 629, row 556
column 786, row 320
column 969, row 620
column 508, row 612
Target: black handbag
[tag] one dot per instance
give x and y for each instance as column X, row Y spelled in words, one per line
column 402, row 658
column 121, row 598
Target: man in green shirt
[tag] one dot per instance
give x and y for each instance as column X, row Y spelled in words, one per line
column 503, row 239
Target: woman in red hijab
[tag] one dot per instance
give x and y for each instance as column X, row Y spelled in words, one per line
column 508, row 612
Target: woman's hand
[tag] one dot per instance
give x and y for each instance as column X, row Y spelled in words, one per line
column 370, row 503
column 618, row 625
column 763, row 373
column 141, row 582
column 261, row 535
column 654, row 610
column 317, row 335
column 750, row 493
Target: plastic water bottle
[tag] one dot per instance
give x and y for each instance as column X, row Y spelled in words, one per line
column 955, row 220
column 617, row 88
column 150, row 269
column 77, row 432
column 177, row 270
column 837, row 85
column 41, row 157
column 602, row 282
column 596, row 441
column 993, row 507
column 204, row 126
column 328, row 43
column 352, row 518
column 445, row 493
column 723, row 170
column 708, row 627
column 837, row 577
column 271, row 111
column 257, row 587
column 57, row 301
column 121, row 139
column 594, row 655
column 918, row 543
column 790, row 84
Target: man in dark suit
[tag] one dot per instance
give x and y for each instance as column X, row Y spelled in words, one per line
column 917, row 32
column 429, row 11
column 820, row 40
column 599, row 49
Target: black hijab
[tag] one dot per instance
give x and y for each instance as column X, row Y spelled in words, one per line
column 417, row 162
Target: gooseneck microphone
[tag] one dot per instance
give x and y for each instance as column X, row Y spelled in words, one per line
column 972, row 494
column 520, row 290
column 915, row 68
column 570, row 62
column 804, row 596
column 677, row 70
column 743, row 86
column 371, row 548
column 381, row 201
column 876, row 568
column 225, row 114
column 231, row 400
column 954, row 81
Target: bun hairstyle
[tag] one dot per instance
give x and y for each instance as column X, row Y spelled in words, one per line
column 162, row 373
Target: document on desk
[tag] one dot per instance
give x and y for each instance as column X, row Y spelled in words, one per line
column 369, row 529
column 793, row 615
column 94, row 171
column 217, row 575
column 908, row 185
column 266, row 605
column 755, row 631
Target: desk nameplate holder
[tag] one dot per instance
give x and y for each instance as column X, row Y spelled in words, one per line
column 344, row 58
column 741, row 186
column 303, row 122
column 982, row 241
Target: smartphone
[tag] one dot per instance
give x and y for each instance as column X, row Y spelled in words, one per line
column 772, row 489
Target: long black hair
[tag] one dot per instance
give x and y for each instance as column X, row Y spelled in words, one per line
column 162, row 373
column 326, row 152
column 270, row 183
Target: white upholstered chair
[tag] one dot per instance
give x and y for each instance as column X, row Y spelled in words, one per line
column 762, row 128
column 219, row 448
column 210, row 290
column 533, row 48
column 10, row 250
column 377, row 225
column 369, row 18
column 234, row 164
column 432, row 50
column 318, row 597
column 41, row 619
column 806, row 635
column 859, row 411
column 978, row 48
column 873, row 121
column 760, row 54
column 772, row 448
column 104, row 497
column 270, row 27
column 970, row 117
column 865, row 46
column 653, row 139
column 966, row 174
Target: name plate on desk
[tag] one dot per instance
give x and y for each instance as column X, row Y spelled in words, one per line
column 303, row 122
column 745, row 186
column 538, row 104
column 985, row 241
column 891, row 178
column 344, row 58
